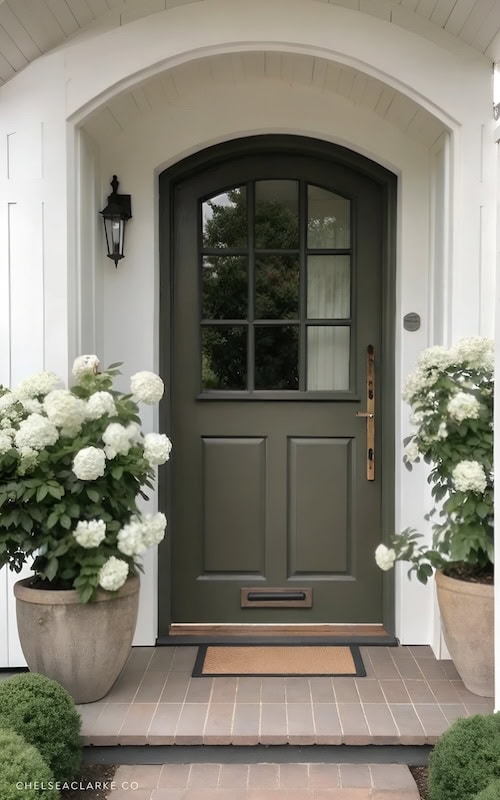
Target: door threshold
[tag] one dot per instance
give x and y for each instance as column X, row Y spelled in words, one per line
column 321, row 633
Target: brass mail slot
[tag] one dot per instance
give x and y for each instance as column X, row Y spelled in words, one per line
column 276, row 598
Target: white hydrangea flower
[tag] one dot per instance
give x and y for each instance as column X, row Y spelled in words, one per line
column 131, row 539
column 154, row 526
column 134, row 432
column 436, row 358
column 477, row 351
column 463, row 406
column 116, row 437
column 29, row 459
column 5, row 442
column 89, row 463
column 385, row 557
column 411, row 451
column 85, row 365
column 8, row 402
column 469, row 476
column 100, row 403
column 65, row 410
column 147, row 387
column 113, row 574
column 31, row 405
column 157, row 448
column 41, row 383
column 415, row 383
column 36, row 432
column 90, row 534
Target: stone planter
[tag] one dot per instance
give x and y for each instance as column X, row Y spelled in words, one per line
column 467, row 623
column 83, row 647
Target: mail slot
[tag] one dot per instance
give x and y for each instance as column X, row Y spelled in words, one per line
column 276, row 598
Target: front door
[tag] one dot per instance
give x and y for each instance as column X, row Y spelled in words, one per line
column 276, row 329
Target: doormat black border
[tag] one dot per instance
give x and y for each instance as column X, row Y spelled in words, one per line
column 202, row 651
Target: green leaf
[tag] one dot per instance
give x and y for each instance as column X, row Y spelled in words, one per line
column 52, row 519
column 41, row 493
column 51, row 570
column 86, row 593
column 93, row 494
column 56, row 491
column 482, row 510
column 65, row 522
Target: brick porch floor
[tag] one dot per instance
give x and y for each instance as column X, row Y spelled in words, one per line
column 407, row 698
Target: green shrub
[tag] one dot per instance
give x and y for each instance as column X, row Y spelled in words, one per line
column 492, row 792
column 466, row 758
column 24, row 775
column 41, row 711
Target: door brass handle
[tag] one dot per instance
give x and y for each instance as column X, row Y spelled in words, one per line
column 369, row 414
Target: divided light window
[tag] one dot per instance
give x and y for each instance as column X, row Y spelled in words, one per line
column 276, row 289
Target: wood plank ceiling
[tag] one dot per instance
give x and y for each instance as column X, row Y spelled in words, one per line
column 174, row 87
column 29, row 28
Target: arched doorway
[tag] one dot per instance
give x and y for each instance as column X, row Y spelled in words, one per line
column 277, row 336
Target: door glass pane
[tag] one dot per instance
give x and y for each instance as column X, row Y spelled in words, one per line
column 224, row 357
column 328, row 219
column 225, row 287
column 277, row 287
column 224, row 219
column 276, row 357
column 328, row 357
column 328, row 287
column 276, row 214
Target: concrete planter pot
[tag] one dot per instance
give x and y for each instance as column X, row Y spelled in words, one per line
column 83, row 647
column 467, row 623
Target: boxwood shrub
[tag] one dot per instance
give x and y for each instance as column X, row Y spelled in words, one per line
column 43, row 712
column 492, row 792
column 466, row 758
column 23, row 772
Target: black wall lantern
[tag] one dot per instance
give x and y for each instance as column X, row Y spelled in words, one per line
column 115, row 217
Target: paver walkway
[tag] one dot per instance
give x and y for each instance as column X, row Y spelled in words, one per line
column 264, row 782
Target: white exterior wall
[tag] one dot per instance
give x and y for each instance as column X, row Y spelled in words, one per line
column 34, row 310
column 446, row 195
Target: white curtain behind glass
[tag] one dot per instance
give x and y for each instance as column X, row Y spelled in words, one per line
column 328, row 297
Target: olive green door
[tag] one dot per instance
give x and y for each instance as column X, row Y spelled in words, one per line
column 277, row 264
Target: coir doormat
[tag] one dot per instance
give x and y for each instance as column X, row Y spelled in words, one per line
column 278, row 660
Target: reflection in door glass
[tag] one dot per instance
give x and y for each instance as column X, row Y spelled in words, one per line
column 224, row 219
column 276, row 287
column 276, row 214
column 328, row 357
column 328, row 219
column 328, row 287
column 225, row 287
column 276, row 357
column 224, row 357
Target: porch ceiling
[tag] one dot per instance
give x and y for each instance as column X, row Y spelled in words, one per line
column 163, row 92
column 29, row 28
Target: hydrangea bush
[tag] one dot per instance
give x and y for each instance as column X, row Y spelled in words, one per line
column 451, row 396
column 72, row 464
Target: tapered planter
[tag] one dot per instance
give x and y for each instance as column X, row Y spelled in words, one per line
column 83, row 647
column 467, row 623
